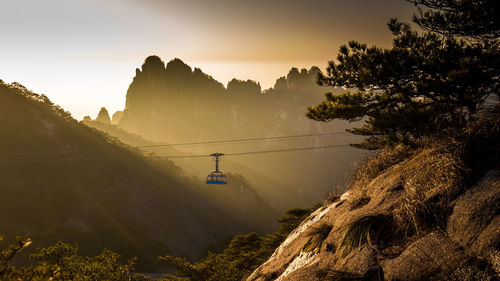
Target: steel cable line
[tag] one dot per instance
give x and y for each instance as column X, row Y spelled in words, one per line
column 3, row 161
column 179, row 144
column 260, row 151
column 242, row 140
column 182, row 156
column 49, row 152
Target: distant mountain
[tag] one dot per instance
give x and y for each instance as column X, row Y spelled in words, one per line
column 61, row 180
column 172, row 103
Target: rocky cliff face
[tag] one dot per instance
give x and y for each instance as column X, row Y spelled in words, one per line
column 173, row 103
column 414, row 220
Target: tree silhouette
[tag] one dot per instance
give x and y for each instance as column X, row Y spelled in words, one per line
column 426, row 84
column 6, row 255
column 478, row 19
column 243, row 254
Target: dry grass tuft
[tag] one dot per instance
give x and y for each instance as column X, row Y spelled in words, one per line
column 368, row 169
column 360, row 232
column 414, row 216
column 332, row 198
column 317, row 236
column 495, row 260
column 432, row 180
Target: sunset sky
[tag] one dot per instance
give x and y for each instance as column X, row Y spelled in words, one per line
column 83, row 53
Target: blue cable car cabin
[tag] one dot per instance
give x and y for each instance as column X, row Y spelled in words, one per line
column 216, row 177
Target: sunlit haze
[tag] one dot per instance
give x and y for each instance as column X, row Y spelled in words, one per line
column 82, row 54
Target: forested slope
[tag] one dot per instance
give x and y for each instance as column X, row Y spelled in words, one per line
column 61, row 180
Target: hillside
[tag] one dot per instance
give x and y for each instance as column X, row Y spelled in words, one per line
column 117, row 132
column 278, row 194
column 426, row 214
column 62, row 180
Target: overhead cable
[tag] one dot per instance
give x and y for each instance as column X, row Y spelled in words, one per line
column 259, row 152
column 242, row 140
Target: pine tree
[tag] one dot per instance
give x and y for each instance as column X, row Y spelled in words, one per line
column 475, row 19
column 6, row 255
column 427, row 84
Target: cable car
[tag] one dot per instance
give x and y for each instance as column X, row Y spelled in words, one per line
column 216, row 177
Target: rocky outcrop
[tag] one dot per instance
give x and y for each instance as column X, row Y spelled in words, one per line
column 103, row 116
column 428, row 255
column 168, row 102
column 415, row 220
column 475, row 221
